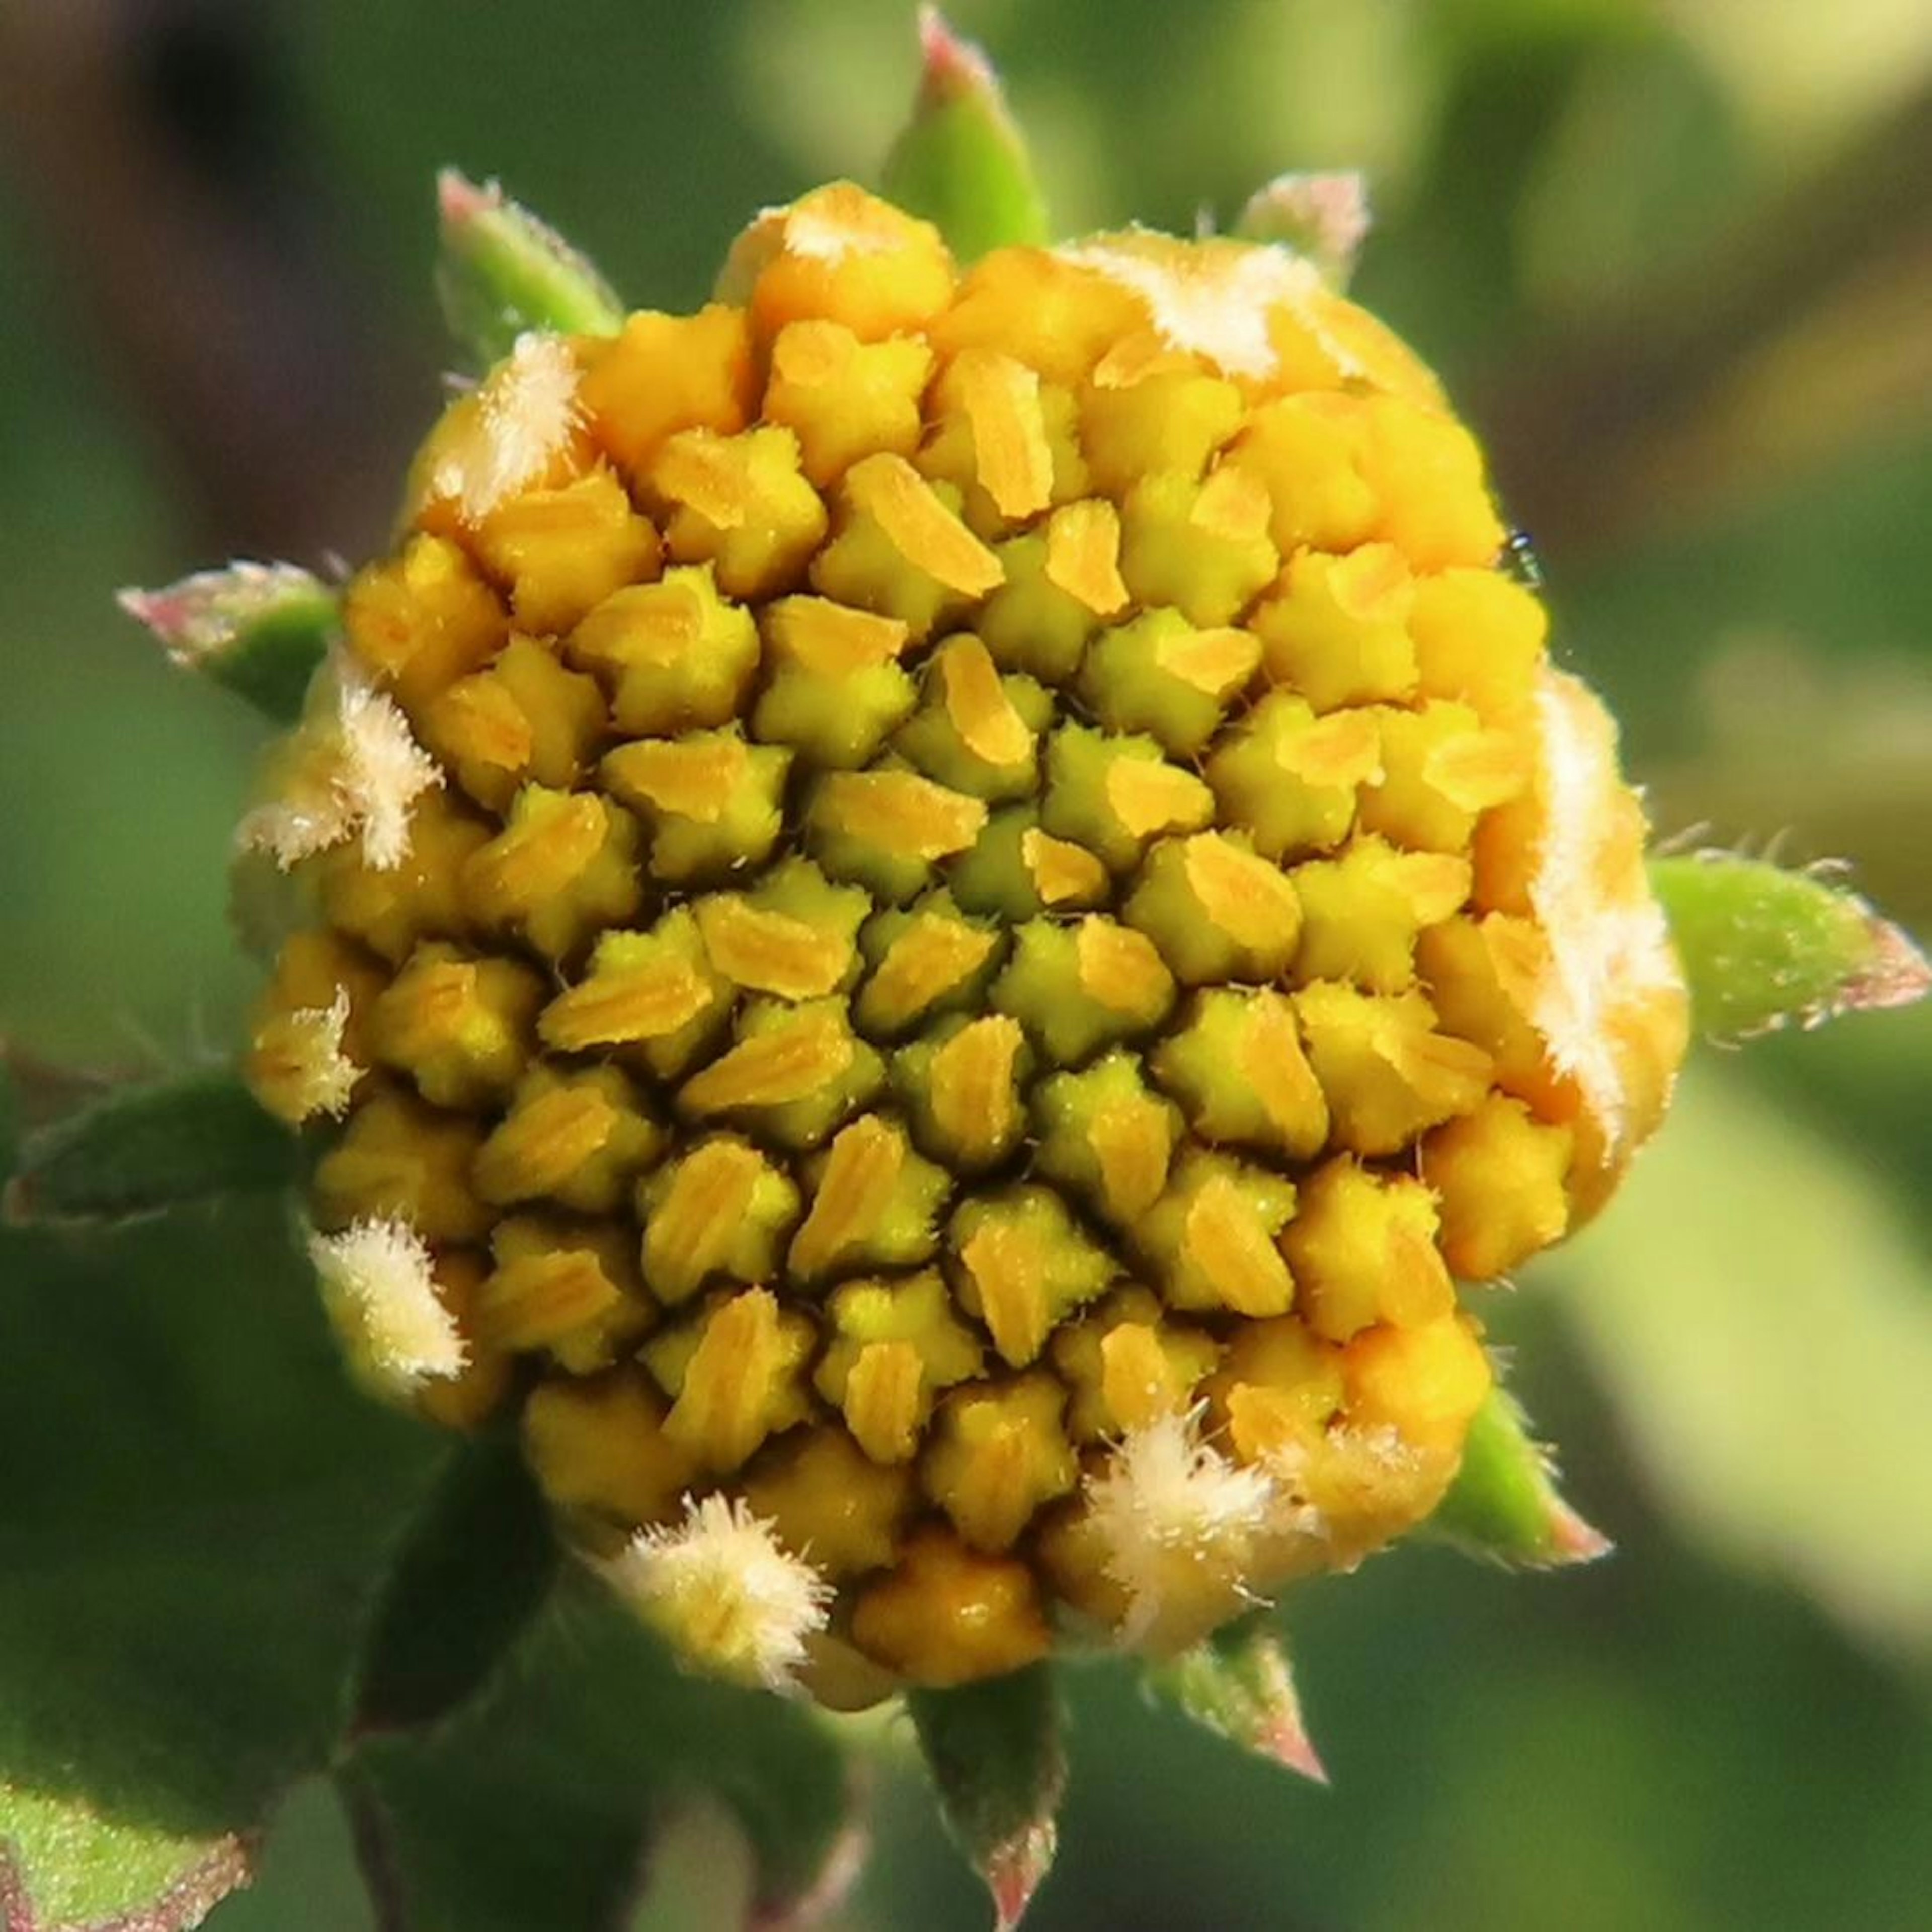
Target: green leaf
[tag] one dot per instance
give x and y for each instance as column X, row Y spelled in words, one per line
column 500, row 270
column 476, row 1567
column 1504, row 1503
column 961, row 162
column 996, row 1758
column 138, row 1149
column 258, row 628
column 1238, row 1685
column 63, row 1868
column 1759, row 1314
column 200, row 1510
column 1762, row 946
column 534, row 1803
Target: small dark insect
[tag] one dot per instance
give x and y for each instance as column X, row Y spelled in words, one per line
column 1520, row 560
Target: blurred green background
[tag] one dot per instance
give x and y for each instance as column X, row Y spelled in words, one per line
column 1676, row 260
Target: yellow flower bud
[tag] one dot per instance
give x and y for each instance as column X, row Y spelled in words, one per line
column 951, row 907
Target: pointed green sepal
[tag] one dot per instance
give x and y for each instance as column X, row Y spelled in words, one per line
column 138, row 1150
column 1503, row 1504
column 961, row 162
column 500, row 270
column 1324, row 218
column 1762, row 946
column 1238, row 1684
column 998, row 1762
column 258, row 628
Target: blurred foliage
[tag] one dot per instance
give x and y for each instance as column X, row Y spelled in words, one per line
column 1674, row 254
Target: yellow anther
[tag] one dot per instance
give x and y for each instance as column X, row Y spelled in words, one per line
column 1105, row 1135
column 1138, row 1382
column 400, row 1160
column 721, row 1209
column 643, row 989
column 924, row 957
column 1120, row 971
column 545, row 1289
column 791, row 1059
column 771, row 951
column 738, row 503
column 1216, row 910
column 599, row 1445
column 1237, row 1065
column 662, row 374
column 885, row 1400
column 1210, row 1238
column 1363, row 1247
column 1440, row 768
column 675, row 656
column 1023, row 1267
column 834, row 689
column 1120, row 1385
column 978, row 705
column 914, row 1312
column 886, row 828
column 1114, row 794
column 562, row 550
column 965, row 1087
column 740, row 1384
column 1290, row 778
column 422, row 620
column 1278, row 1383
column 1011, row 455
column 1337, row 634
column 858, row 1189
column 389, row 909
column 564, row 867
column 1202, row 547
column 949, row 1615
column 1083, row 555
column 844, row 398
column 1065, row 875
column 825, row 1499
column 1502, row 1176
column 1387, row 1071
column 526, row 717
column 460, row 1026
column 915, row 521
column 1363, row 912
column 713, row 803
column 578, row 1137
column 1147, row 797
column 997, row 1454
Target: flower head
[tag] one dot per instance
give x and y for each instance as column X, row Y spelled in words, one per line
column 974, row 899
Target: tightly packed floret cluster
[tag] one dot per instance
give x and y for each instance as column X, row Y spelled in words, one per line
column 945, row 908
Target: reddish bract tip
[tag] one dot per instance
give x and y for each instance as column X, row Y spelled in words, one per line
column 459, row 200
column 1895, row 974
column 1285, row 1740
column 1572, row 1539
column 951, row 66
column 1013, row 1873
